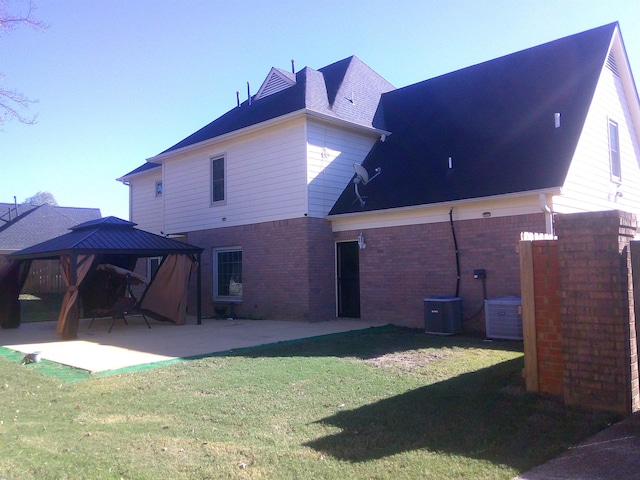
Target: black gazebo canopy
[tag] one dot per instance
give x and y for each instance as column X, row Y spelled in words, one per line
column 106, row 240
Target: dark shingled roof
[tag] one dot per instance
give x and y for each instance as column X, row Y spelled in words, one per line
column 109, row 235
column 496, row 122
column 327, row 91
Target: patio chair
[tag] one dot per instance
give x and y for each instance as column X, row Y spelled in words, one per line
column 123, row 306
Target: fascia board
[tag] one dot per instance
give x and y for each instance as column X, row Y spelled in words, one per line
column 453, row 203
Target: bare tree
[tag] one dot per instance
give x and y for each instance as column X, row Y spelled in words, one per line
column 41, row 198
column 12, row 102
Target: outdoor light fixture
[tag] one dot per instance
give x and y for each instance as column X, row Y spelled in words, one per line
column 361, row 243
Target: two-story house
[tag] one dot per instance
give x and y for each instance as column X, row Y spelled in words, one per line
column 463, row 163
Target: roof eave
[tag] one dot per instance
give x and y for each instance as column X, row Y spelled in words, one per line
column 125, row 178
column 628, row 81
column 345, row 123
column 226, row 136
column 452, row 203
column 262, row 125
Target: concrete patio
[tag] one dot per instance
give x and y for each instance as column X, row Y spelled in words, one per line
column 96, row 350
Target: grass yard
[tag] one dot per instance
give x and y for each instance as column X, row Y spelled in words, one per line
column 40, row 308
column 393, row 404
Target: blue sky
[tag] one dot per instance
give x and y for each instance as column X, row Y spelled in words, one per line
column 119, row 81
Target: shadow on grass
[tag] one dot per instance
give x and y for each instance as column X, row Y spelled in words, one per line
column 372, row 343
column 481, row 415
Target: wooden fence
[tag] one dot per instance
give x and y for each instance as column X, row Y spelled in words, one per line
column 44, row 277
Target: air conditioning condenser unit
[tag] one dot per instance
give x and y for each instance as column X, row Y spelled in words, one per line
column 503, row 317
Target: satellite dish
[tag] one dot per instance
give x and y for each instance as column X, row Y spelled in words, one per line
column 362, row 177
column 362, row 173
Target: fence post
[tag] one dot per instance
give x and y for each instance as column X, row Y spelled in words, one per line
column 528, row 317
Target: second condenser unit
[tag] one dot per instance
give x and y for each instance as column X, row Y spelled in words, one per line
column 503, row 318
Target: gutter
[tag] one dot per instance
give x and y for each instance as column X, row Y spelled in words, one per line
column 540, row 192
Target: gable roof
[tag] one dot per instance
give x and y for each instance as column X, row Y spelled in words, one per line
column 495, row 120
column 326, row 91
column 35, row 224
column 109, row 235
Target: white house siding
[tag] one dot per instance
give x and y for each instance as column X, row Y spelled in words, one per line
column 588, row 186
column 331, row 153
column 265, row 176
column 145, row 207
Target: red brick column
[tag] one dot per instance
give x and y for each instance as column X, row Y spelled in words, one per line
column 598, row 323
column 546, row 278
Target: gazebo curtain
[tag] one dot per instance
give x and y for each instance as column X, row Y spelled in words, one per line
column 74, row 269
column 167, row 293
column 13, row 275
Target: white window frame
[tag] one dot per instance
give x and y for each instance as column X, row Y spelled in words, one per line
column 159, row 188
column 213, row 159
column 215, row 295
column 615, row 160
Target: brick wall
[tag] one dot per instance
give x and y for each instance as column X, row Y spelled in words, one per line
column 548, row 316
column 403, row 265
column 287, row 269
column 598, row 323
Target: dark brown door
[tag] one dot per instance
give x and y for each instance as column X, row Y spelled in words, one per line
column 348, row 268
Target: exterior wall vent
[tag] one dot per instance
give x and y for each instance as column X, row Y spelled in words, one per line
column 611, row 64
column 503, row 317
column 276, row 81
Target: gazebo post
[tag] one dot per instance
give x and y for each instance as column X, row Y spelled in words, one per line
column 70, row 331
column 199, row 288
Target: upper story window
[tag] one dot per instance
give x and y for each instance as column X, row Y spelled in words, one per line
column 158, row 188
column 217, row 180
column 614, row 152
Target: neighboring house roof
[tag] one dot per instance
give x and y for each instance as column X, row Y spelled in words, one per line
column 8, row 211
column 109, row 235
column 35, row 224
column 494, row 120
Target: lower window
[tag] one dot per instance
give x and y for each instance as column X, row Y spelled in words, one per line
column 227, row 274
column 153, row 263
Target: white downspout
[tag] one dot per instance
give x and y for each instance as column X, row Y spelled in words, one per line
column 548, row 214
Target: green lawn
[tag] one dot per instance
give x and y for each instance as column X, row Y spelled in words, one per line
column 40, row 308
column 380, row 404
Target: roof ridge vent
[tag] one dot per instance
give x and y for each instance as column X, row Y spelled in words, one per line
column 611, row 64
column 276, row 81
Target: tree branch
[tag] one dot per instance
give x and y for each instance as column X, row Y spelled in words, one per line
column 12, row 101
column 10, row 21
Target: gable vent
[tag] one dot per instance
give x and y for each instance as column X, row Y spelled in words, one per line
column 611, row 64
column 276, row 81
